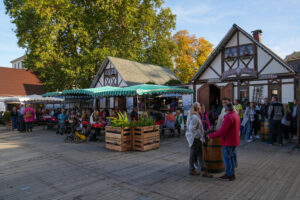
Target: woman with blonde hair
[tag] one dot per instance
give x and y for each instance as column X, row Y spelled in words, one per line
column 195, row 137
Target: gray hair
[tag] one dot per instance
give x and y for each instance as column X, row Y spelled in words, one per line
column 229, row 107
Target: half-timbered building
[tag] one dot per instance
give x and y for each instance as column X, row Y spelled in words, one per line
column 241, row 67
column 120, row 72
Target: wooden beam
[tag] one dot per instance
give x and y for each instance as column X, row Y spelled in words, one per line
column 214, row 71
column 265, row 66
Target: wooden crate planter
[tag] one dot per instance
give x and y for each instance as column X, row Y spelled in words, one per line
column 118, row 139
column 146, row 138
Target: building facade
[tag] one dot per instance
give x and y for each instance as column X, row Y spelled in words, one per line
column 18, row 63
column 241, row 67
column 120, row 72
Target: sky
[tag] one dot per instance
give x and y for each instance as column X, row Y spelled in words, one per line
column 278, row 19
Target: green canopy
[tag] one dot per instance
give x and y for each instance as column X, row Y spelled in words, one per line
column 51, row 94
column 86, row 91
column 143, row 89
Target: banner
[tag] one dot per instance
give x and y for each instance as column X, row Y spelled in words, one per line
column 187, row 101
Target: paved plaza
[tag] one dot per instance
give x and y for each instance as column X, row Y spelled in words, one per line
column 40, row 165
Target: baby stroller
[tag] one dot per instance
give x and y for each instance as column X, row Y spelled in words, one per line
column 78, row 136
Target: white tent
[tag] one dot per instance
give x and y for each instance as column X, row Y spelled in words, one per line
column 40, row 99
column 33, row 99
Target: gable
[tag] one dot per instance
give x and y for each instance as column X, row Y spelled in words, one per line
column 110, row 76
column 133, row 73
column 239, row 50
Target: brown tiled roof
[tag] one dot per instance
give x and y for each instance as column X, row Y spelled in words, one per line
column 19, row 82
column 294, row 56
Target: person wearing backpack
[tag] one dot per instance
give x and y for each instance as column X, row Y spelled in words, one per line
column 275, row 113
column 28, row 118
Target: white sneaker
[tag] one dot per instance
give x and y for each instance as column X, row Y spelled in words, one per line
column 248, row 140
column 257, row 137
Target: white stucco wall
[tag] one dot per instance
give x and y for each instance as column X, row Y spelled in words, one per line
column 273, row 68
column 243, row 39
column 209, row 73
column 287, row 93
column 233, row 41
column 262, row 58
column 217, row 64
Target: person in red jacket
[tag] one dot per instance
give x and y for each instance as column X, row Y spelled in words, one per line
column 230, row 139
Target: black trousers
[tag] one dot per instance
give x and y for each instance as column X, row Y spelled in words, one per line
column 196, row 155
column 28, row 126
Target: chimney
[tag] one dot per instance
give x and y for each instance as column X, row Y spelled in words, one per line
column 257, row 35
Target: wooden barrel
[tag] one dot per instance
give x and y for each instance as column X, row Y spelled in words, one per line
column 213, row 158
column 265, row 131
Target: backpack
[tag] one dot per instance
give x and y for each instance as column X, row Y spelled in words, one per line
column 28, row 114
column 277, row 111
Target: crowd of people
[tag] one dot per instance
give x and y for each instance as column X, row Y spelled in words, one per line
column 232, row 121
column 282, row 119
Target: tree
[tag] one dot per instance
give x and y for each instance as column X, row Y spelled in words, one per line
column 67, row 40
column 191, row 53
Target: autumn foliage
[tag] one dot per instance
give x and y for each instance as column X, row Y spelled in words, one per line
column 191, row 53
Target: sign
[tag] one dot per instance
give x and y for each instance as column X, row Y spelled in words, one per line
column 187, row 101
column 268, row 76
column 213, row 80
column 238, row 72
column 129, row 103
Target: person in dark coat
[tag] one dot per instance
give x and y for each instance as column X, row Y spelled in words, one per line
column 14, row 118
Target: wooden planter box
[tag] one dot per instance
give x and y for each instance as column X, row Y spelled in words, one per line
column 146, row 138
column 118, row 139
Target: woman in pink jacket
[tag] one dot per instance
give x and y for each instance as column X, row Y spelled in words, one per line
column 28, row 118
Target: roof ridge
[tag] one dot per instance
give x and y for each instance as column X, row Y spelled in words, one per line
column 137, row 61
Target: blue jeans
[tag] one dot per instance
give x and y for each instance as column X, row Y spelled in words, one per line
column 247, row 129
column 275, row 130
column 14, row 122
column 229, row 156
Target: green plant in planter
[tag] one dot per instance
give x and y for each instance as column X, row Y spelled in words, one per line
column 120, row 121
column 144, row 121
column 6, row 117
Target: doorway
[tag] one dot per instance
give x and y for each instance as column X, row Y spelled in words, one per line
column 209, row 95
column 214, row 96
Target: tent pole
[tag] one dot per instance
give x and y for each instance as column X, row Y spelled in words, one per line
column 137, row 103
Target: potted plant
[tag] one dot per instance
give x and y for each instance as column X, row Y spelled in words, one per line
column 146, row 134
column 118, row 134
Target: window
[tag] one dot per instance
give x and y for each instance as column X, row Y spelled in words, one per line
column 246, row 50
column 109, row 72
column 230, row 53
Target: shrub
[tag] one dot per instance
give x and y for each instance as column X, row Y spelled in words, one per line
column 6, row 117
column 173, row 82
